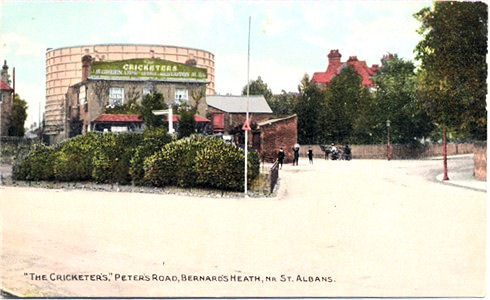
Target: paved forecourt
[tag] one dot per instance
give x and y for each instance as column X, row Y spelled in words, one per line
column 335, row 228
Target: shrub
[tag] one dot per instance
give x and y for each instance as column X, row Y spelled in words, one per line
column 220, row 165
column 174, row 164
column 200, row 161
column 73, row 159
column 153, row 140
column 111, row 160
column 37, row 165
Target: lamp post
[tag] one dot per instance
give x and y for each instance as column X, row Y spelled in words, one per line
column 388, row 154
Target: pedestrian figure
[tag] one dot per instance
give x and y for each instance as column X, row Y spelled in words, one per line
column 310, row 155
column 295, row 154
column 280, row 157
column 326, row 149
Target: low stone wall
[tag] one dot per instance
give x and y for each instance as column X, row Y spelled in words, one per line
column 397, row 151
column 480, row 161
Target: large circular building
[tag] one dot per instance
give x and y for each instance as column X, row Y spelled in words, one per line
column 64, row 68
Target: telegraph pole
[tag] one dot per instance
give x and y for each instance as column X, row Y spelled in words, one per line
column 246, row 115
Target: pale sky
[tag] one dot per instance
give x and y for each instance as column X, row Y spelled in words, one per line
column 288, row 38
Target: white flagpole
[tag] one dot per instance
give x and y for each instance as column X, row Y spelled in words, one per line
column 246, row 116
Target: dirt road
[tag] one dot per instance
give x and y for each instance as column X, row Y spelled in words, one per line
column 366, row 227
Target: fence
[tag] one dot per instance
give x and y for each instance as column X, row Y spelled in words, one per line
column 273, row 175
column 398, row 151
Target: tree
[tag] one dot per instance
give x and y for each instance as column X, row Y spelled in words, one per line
column 258, row 87
column 346, row 117
column 197, row 95
column 283, row 103
column 309, row 109
column 151, row 102
column 187, row 124
column 453, row 69
column 18, row 117
column 395, row 100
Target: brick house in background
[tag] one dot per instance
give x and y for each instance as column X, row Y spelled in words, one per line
column 6, row 100
column 335, row 66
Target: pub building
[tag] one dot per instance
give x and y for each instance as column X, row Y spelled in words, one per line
column 109, row 84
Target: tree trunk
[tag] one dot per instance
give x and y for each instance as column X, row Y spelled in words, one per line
column 444, row 152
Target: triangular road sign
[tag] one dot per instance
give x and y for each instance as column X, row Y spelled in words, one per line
column 246, row 126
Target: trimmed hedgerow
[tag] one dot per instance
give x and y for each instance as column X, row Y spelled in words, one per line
column 73, row 159
column 153, row 140
column 200, row 162
column 146, row 159
column 220, row 165
column 174, row 164
column 37, row 165
column 111, row 159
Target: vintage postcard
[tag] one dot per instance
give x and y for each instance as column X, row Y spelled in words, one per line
column 299, row 149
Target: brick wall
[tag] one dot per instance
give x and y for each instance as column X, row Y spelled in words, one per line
column 480, row 161
column 273, row 136
column 397, row 151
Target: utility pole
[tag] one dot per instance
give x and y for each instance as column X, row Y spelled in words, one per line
column 246, row 115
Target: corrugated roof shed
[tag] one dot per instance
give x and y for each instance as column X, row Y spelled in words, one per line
column 237, row 104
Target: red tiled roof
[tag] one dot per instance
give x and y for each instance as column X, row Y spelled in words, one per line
column 197, row 118
column 118, row 118
column 335, row 65
column 4, row 86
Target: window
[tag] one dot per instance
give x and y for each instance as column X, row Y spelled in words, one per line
column 116, row 96
column 181, row 95
column 82, row 95
column 147, row 90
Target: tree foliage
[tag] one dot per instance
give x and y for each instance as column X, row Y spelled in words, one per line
column 283, row 103
column 309, row 109
column 453, row 69
column 187, row 124
column 18, row 117
column 396, row 101
column 151, row 102
column 258, row 87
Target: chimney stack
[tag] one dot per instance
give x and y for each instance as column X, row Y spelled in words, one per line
column 5, row 72
column 86, row 62
column 352, row 58
column 334, row 56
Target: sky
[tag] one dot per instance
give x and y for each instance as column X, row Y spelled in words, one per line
column 288, row 38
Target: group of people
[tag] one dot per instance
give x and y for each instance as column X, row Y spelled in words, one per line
column 281, row 155
column 332, row 150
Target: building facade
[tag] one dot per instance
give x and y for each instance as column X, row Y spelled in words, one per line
column 109, row 84
column 335, row 65
column 6, row 100
column 227, row 113
column 64, row 67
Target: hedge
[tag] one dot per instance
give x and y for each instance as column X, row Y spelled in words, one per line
column 150, row 158
column 153, row 140
column 73, row 159
column 175, row 163
column 200, row 162
column 111, row 159
column 37, row 165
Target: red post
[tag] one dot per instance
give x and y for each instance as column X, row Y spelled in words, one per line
column 444, row 152
column 388, row 152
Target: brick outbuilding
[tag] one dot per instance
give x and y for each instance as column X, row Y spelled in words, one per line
column 273, row 134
